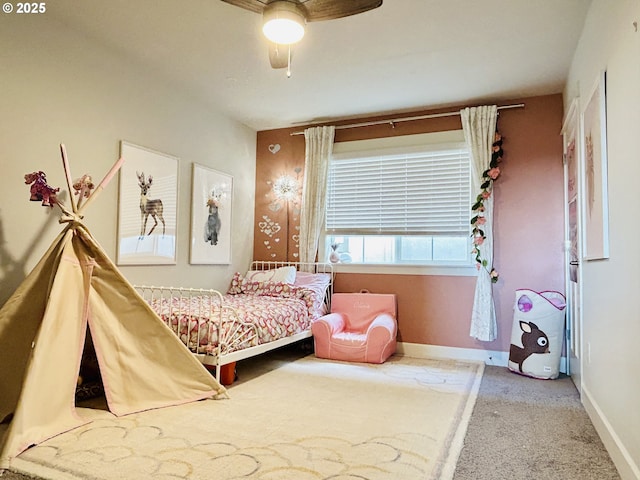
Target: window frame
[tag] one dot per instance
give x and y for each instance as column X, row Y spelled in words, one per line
column 430, row 141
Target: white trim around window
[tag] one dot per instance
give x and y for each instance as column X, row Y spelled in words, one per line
column 409, row 146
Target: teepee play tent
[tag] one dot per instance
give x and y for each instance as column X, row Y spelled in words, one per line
column 43, row 326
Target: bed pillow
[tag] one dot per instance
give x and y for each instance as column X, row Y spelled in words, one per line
column 276, row 275
column 236, row 284
column 315, row 304
column 317, row 283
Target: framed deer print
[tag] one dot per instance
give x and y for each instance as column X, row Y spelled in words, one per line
column 147, row 207
column 212, row 195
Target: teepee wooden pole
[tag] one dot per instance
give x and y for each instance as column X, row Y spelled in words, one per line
column 67, row 173
column 105, row 181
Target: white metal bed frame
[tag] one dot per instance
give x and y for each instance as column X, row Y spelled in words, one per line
column 227, row 350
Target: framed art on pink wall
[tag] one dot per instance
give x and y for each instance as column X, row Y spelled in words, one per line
column 594, row 172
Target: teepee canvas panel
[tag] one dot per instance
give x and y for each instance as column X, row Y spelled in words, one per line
column 43, row 326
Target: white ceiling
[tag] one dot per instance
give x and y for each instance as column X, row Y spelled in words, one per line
column 405, row 56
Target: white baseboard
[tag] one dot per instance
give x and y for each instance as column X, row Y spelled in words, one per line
column 420, row 350
column 489, row 357
column 623, row 461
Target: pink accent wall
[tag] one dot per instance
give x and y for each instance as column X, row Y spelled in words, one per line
column 528, row 230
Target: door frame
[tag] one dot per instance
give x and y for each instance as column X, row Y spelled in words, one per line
column 573, row 192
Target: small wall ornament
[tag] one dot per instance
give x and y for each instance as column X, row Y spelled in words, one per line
column 274, row 148
column 268, row 226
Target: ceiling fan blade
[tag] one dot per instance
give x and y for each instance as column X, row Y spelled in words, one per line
column 318, row 10
column 315, row 10
column 256, row 6
column 278, row 55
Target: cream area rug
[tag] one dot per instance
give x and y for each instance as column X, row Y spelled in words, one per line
column 308, row 419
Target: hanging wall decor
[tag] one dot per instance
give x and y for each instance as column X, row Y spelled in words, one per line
column 594, row 173
column 147, row 207
column 211, row 200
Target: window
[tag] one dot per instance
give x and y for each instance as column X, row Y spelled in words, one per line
column 400, row 204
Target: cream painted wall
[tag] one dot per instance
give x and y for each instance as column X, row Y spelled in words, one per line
column 57, row 86
column 611, row 317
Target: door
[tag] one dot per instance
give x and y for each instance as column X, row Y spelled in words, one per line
column 571, row 146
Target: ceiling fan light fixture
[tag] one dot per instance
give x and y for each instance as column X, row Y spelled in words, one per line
column 283, row 23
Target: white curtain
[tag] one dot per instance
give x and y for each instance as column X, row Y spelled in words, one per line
column 318, row 149
column 479, row 126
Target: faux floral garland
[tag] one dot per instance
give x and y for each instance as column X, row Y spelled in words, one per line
column 478, row 220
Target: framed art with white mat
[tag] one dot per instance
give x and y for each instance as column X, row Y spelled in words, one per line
column 594, row 172
column 147, row 207
column 211, row 208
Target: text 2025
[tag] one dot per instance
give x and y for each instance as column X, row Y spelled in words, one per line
column 31, row 7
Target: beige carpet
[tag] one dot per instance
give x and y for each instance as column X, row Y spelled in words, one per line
column 306, row 419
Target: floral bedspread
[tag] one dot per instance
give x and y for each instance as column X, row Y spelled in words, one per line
column 265, row 312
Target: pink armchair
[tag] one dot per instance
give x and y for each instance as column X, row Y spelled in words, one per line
column 361, row 327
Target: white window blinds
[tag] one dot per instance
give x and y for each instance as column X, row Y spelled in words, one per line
column 424, row 192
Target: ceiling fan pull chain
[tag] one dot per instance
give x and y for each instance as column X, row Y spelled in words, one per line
column 289, row 63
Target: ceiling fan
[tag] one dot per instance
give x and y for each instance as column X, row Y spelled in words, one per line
column 284, row 20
